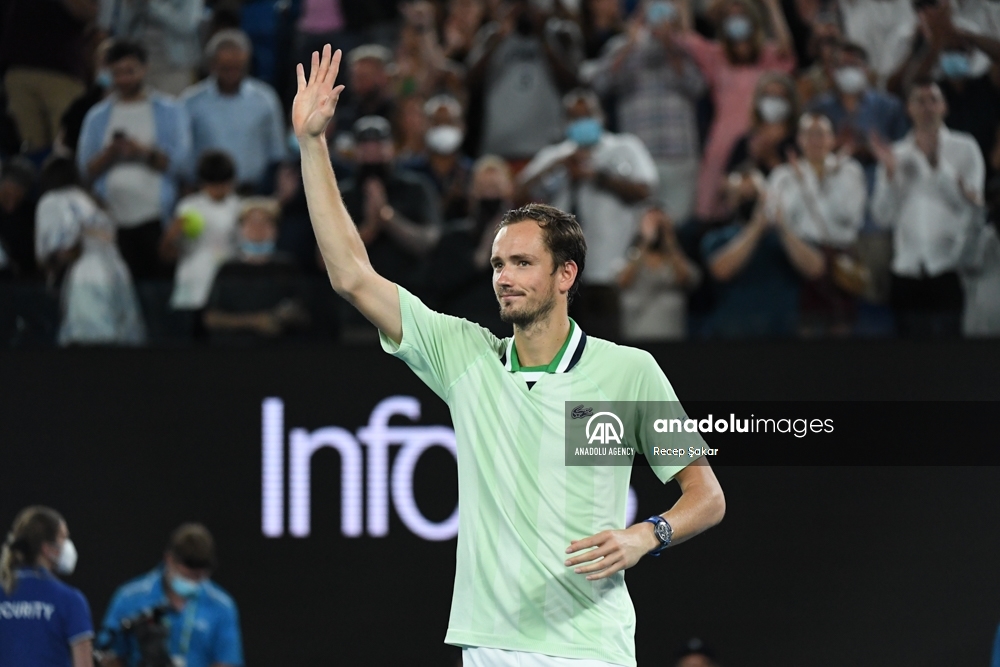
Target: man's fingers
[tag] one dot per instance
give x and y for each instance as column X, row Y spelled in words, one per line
column 590, row 555
column 324, row 65
column 586, row 542
column 334, row 70
column 313, row 67
column 300, row 74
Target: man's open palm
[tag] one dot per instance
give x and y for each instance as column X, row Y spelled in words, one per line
column 316, row 98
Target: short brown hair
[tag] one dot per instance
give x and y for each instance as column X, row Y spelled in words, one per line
column 561, row 233
column 192, row 545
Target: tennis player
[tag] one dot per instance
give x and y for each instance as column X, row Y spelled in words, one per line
column 542, row 546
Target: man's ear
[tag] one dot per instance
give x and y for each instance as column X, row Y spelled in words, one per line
column 568, row 273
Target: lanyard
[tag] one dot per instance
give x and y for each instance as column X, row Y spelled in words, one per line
column 190, row 610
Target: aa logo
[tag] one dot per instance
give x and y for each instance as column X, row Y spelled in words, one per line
column 603, row 431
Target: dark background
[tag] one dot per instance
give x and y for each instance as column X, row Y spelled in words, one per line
column 813, row 565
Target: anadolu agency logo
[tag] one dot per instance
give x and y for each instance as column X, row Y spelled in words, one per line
column 603, row 431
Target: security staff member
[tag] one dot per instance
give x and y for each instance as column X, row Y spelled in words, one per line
column 202, row 621
column 43, row 622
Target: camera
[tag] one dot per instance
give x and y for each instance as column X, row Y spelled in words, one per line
column 150, row 634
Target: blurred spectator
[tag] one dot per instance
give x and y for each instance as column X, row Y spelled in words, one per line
column 133, row 146
column 17, row 218
column 421, row 67
column 600, row 21
column 258, row 294
column 75, row 243
column 733, row 66
column 410, row 128
column 981, row 272
column 43, row 54
column 367, row 93
column 818, row 77
column 856, row 109
column 823, row 198
column 598, row 176
column 758, row 264
column 99, row 88
column 654, row 282
column 521, row 64
column 928, row 189
column 461, row 280
column 203, row 622
column 463, row 21
column 167, row 29
column 237, row 114
column 202, row 236
column 883, row 28
column 444, row 164
column 772, row 130
column 696, row 654
column 396, row 211
column 656, row 85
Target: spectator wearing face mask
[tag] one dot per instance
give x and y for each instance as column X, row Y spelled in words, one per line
column 259, row 293
column 884, row 29
column 772, row 130
column 656, row 85
column 52, row 626
column 758, row 265
column 396, row 210
column 203, row 622
column 733, row 65
column 857, row 110
column 599, row 177
column 444, row 164
column 461, row 282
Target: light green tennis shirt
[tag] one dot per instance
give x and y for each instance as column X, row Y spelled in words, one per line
column 520, row 505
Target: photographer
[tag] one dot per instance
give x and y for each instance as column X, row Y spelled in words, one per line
column 198, row 619
column 43, row 621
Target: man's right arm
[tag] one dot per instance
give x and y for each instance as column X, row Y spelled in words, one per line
column 344, row 254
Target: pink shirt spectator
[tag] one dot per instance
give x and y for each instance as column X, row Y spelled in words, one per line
column 732, row 95
column 321, row 16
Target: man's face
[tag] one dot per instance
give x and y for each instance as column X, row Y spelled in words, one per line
column 816, row 140
column 926, row 106
column 523, row 277
column 12, row 193
column 128, row 75
column 849, row 59
column 579, row 109
column 367, row 77
column 695, row 661
column 230, row 66
column 491, row 183
column 258, row 227
column 175, row 567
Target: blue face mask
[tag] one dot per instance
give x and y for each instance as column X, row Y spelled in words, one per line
column 257, row 248
column 660, row 12
column 955, row 64
column 738, row 28
column 184, row 586
column 584, row 132
column 103, row 78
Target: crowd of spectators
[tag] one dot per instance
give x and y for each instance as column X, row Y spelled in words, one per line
column 741, row 168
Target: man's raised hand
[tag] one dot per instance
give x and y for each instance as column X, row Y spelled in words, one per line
column 316, row 99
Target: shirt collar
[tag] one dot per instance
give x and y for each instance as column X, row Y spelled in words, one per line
column 568, row 356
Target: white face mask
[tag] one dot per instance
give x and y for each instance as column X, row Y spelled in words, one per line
column 851, row 80
column 773, row 109
column 67, row 558
column 444, row 139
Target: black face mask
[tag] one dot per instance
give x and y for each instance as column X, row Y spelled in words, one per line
column 488, row 209
column 380, row 170
column 745, row 210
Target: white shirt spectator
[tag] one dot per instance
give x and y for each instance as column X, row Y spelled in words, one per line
column 925, row 206
column 885, row 29
column 828, row 212
column 99, row 302
column 982, row 285
column 133, row 187
column 608, row 222
column 201, row 256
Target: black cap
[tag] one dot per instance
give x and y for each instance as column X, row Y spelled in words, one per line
column 372, row 128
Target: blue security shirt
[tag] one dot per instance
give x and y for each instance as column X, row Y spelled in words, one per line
column 41, row 619
column 206, row 631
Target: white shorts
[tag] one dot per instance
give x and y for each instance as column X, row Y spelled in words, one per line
column 495, row 657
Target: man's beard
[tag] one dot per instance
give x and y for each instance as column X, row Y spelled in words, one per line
column 526, row 317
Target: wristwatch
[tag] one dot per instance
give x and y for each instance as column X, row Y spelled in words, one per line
column 664, row 533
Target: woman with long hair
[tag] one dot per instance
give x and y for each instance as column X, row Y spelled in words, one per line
column 733, row 64
column 43, row 622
